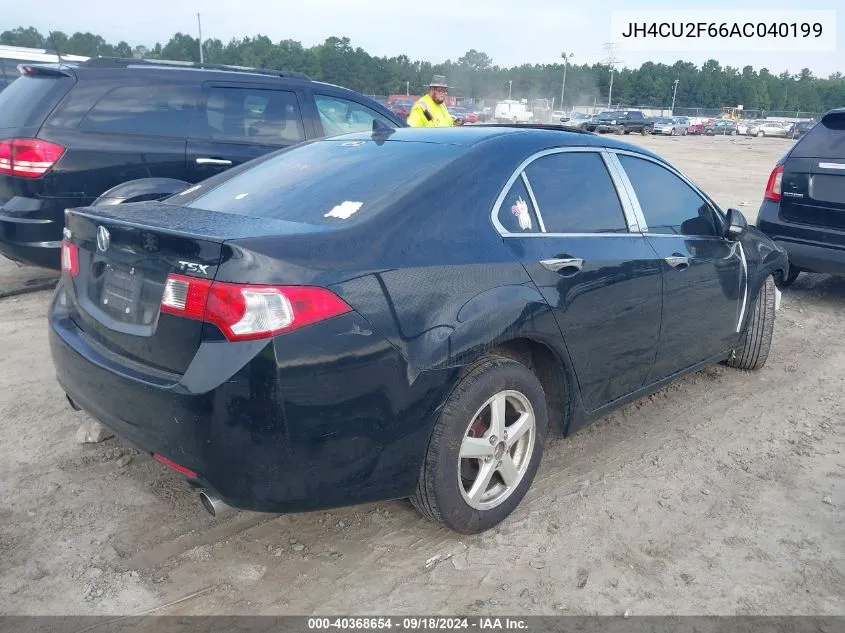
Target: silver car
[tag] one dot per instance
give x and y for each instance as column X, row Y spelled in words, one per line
column 576, row 120
column 672, row 126
column 768, row 128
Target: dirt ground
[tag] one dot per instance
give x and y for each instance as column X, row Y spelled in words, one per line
column 721, row 494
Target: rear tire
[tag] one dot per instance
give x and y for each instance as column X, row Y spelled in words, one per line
column 472, row 494
column 756, row 339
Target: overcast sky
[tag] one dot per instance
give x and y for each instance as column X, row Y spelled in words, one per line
column 512, row 32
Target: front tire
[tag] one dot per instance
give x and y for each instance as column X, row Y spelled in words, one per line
column 784, row 282
column 485, row 448
column 756, row 339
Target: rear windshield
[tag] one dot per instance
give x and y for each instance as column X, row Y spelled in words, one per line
column 329, row 183
column 17, row 100
column 825, row 140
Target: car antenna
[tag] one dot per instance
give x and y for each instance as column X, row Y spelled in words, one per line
column 55, row 46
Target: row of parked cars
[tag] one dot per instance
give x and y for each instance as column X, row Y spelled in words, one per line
column 627, row 121
column 298, row 302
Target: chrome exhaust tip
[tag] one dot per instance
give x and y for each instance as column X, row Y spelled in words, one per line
column 214, row 506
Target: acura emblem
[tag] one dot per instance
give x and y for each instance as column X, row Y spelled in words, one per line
column 103, row 238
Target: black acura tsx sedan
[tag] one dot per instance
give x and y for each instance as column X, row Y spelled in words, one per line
column 401, row 313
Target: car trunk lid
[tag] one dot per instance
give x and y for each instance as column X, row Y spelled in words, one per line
column 123, row 256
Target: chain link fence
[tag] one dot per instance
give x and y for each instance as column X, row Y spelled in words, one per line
column 775, row 115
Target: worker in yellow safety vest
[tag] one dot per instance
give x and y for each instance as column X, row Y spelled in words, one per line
column 429, row 110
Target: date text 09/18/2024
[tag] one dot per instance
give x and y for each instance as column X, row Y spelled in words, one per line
column 416, row 624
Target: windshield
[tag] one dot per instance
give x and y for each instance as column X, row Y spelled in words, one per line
column 329, row 183
column 664, row 121
column 606, row 115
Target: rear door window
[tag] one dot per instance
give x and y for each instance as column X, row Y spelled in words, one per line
column 517, row 214
column 148, row 110
column 825, row 140
column 575, row 194
column 256, row 115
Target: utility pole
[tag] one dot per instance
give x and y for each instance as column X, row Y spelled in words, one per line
column 674, row 92
column 610, row 47
column 566, row 59
column 510, row 85
column 199, row 24
column 407, row 88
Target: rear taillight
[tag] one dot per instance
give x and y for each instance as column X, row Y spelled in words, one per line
column 70, row 258
column 245, row 312
column 774, row 185
column 28, row 157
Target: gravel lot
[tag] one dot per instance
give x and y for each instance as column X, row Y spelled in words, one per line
column 721, row 494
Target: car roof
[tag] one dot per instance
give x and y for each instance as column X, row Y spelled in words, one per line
column 542, row 136
column 207, row 72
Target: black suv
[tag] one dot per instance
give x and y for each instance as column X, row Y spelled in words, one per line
column 803, row 208
column 73, row 135
column 621, row 122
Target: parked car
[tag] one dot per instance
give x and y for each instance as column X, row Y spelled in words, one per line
column 800, row 128
column 742, row 126
column 70, row 136
column 559, row 116
column 621, row 122
column 672, row 126
column 401, row 108
column 469, row 115
column 601, row 122
column 768, row 128
column 577, row 121
column 725, row 127
column 508, row 111
column 291, row 334
column 461, row 115
column 698, row 127
column 803, row 207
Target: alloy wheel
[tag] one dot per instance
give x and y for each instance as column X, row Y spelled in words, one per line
column 496, row 450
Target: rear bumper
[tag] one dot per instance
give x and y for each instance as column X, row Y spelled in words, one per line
column 31, row 230
column 318, row 418
column 811, row 248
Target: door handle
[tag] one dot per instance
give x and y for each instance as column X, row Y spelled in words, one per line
column 678, row 262
column 213, row 161
column 557, row 265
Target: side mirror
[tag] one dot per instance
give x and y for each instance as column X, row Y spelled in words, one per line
column 736, row 224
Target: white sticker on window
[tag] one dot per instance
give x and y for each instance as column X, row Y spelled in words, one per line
column 344, row 210
column 520, row 210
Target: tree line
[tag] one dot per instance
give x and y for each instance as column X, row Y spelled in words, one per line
column 475, row 75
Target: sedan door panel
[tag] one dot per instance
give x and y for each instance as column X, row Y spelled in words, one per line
column 608, row 312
